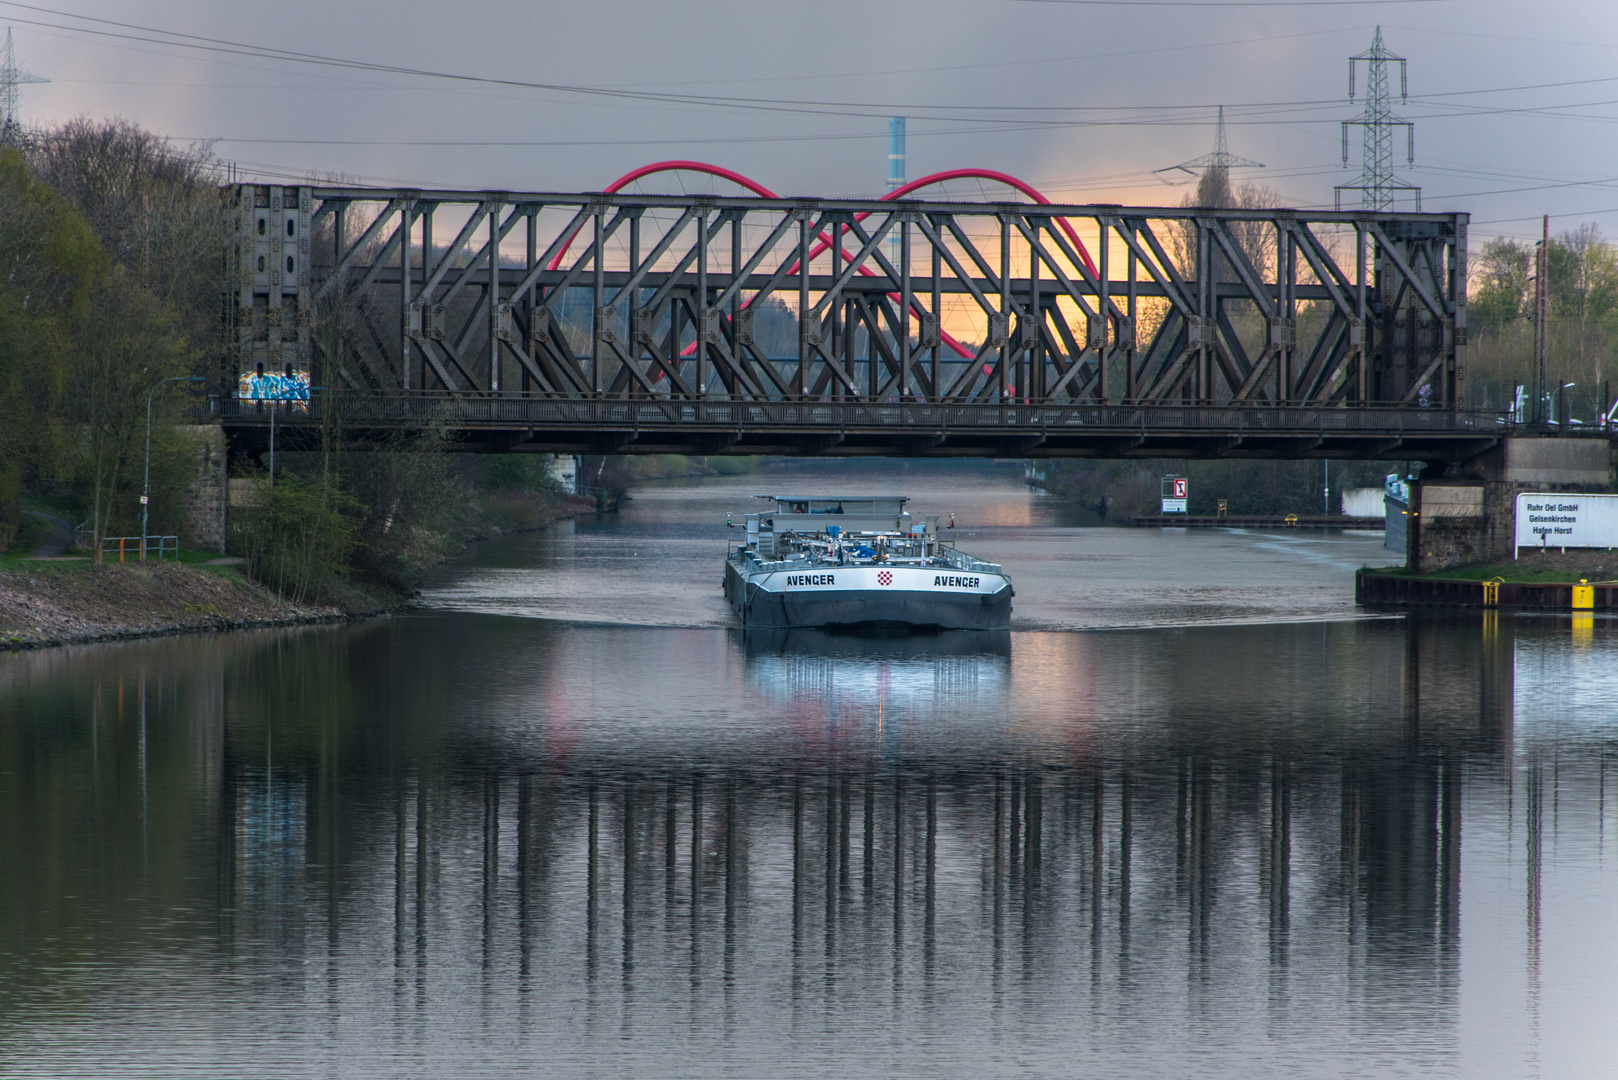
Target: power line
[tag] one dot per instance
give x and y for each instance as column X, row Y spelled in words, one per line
column 834, row 107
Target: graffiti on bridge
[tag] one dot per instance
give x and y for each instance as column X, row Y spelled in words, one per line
column 271, row 388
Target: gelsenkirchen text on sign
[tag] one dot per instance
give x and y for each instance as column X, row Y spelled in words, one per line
column 1566, row 519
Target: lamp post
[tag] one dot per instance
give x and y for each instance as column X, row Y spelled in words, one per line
column 1561, row 406
column 146, row 482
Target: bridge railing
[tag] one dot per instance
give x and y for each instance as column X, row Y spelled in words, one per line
column 511, row 412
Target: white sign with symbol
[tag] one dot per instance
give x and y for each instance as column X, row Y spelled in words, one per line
column 1175, row 492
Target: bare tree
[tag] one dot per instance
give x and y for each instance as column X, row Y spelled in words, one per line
column 157, row 208
column 125, row 342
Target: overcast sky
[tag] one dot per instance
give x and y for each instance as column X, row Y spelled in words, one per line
column 1083, row 100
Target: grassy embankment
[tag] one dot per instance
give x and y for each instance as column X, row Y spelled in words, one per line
column 69, row 599
column 72, row 600
column 1533, row 568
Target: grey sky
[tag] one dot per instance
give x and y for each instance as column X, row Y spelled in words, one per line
column 1083, row 101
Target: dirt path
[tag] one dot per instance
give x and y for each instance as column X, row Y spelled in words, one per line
column 61, row 538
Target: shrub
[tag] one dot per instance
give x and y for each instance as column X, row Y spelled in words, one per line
column 299, row 535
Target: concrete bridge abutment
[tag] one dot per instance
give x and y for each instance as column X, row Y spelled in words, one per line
column 1469, row 514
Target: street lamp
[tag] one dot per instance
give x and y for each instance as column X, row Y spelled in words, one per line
column 1561, row 404
column 146, row 484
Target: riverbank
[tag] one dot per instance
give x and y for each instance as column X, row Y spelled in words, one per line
column 1540, row 579
column 505, row 513
column 1533, row 567
column 73, row 601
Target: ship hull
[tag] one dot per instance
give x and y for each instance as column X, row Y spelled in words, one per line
column 901, row 599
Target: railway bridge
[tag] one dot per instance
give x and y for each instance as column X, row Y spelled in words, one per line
column 622, row 322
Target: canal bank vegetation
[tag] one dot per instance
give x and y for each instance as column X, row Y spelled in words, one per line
column 384, row 517
column 621, row 472
column 1121, row 490
column 110, row 276
column 74, row 601
column 1582, row 324
column 109, row 283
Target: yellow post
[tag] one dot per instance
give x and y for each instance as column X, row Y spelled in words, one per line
column 1584, row 596
column 1491, row 592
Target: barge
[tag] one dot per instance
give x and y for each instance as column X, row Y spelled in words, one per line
column 859, row 561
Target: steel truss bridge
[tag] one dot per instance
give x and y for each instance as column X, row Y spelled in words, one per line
column 617, row 322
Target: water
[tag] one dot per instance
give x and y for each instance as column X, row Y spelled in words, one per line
column 659, row 563
column 624, row 840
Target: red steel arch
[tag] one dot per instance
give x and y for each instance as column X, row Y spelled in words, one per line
column 999, row 178
column 825, row 242
column 671, row 166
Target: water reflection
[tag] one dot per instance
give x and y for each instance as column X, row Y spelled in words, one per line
column 460, row 841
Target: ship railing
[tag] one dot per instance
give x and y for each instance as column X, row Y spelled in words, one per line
column 960, row 560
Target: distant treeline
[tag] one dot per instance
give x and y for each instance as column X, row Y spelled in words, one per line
column 1582, row 323
column 1121, row 489
column 111, row 245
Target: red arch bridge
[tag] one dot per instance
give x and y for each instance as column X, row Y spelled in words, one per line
column 750, row 323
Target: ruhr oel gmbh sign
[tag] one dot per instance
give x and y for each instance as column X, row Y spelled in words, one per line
column 1567, row 519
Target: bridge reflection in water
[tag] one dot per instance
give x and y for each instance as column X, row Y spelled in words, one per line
column 459, row 836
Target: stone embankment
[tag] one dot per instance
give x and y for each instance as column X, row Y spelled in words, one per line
column 70, row 602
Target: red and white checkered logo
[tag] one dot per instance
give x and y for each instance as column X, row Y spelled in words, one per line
column 884, row 578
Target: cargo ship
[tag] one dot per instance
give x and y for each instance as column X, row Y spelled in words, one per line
column 859, row 561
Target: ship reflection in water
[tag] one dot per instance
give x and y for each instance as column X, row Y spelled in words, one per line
column 468, row 844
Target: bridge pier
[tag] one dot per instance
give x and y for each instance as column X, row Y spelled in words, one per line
column 1468, row 514
column 205, row 498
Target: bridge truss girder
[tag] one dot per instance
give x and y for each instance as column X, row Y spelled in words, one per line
column 583, row 297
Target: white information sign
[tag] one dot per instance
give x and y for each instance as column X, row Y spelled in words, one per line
column 1567, row 519
column 1174, row 506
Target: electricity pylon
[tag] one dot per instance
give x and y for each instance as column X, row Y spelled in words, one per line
column 1221, row 158
column 1377, row 182
column 11, row 77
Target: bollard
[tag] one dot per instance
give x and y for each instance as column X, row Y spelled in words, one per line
column 1584, row 596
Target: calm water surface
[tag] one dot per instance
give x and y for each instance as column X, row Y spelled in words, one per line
column 571, row 824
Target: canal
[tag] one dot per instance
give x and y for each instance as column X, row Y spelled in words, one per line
column 1193, row 816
